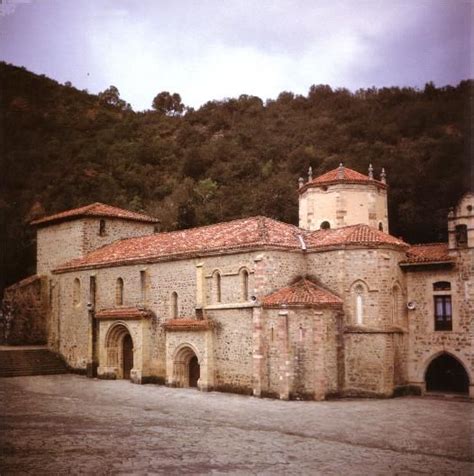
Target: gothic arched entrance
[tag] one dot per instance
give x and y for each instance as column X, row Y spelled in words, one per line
column 186, row 368
column 446, row 374
column 119, row 345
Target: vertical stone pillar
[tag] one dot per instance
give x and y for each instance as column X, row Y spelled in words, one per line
column 285, row 362
column 200, row 287
column 319, row 343
column 258, row 351
column 206, row 380
column 90, row 343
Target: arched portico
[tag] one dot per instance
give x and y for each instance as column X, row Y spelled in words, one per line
column 186, row 367
column 119, row 349
column 446, row 373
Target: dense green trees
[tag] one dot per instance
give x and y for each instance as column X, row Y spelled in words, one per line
column 63, row 148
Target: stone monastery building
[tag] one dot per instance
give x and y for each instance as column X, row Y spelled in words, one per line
column 334, row 307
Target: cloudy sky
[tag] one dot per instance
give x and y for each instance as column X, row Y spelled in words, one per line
column 212, row 49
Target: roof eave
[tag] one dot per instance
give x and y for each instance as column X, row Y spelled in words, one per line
column 405, row 264
column 308, row 185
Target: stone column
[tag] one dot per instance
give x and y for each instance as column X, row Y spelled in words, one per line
column 258, row 351
column 319, row 343
column 285, row 363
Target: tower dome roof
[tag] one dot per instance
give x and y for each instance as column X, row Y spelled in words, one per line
column 341, row 175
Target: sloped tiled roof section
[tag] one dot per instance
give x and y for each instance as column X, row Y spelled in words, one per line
column 341, row 175
column 123, row 313
column 303, row 293
column 428, row 254
column 351, row 235
column 180, row 325
column 94, row 210
column 247, row 233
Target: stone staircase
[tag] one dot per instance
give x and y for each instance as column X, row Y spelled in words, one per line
column 29, row 360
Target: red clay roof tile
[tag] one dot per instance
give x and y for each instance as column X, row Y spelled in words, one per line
column 245, row 233
column 351, row 235
column 428, row 253
column 188, row 325
column 95, row 210
column 123, row 313
column 302, row 293
column 349, row 176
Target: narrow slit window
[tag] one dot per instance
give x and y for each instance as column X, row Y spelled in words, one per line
column 174, row 305
column 244, row 283
column 119, row 292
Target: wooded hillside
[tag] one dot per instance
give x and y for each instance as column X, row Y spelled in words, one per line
column 63, row 148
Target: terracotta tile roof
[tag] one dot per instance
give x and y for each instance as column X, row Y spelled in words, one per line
column 256, row 232
column 428, row 253
column 302, row 293
column 351, row 235
column 348, row 176
column 95, row 210
column 123, row 313
column 24, row 282
column 180, row 325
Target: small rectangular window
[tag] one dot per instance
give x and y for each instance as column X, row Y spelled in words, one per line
column 443, row 313
column 442, row 286
column 461, row 235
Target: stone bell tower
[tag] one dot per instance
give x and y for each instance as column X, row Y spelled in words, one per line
column 343, row 197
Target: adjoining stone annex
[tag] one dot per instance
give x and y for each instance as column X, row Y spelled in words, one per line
column 334, row 307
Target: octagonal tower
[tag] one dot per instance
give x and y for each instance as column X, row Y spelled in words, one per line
column 343, row 197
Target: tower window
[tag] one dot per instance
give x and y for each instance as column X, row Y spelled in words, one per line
column 380, row 226
column 102, row 228
column 461, row 235
column 325, row 225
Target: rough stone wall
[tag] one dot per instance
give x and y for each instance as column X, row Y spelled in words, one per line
column 342, row 205
column 25, row 312
column 62, row 242
column 369, row 364
column 424, row 342
column 300, row 355
column 115, row 229
column 376, row 270
column 57, row 244
column 72, row 319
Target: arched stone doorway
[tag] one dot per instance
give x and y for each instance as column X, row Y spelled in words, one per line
column 186, row 368
column 119, row 345
column 446, row 374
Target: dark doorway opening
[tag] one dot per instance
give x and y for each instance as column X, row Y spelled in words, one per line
column 127, row 355
column 446, row 374
column 194, row 371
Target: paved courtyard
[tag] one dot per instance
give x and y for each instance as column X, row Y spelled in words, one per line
column 69, row 424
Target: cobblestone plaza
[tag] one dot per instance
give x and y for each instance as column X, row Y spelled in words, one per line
column 69, row 424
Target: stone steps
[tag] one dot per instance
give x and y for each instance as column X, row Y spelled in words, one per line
column 23, row 362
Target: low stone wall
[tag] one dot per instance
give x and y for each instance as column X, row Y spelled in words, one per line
column 24, row 316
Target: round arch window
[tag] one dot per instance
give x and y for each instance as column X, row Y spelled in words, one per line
column 325, row 225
